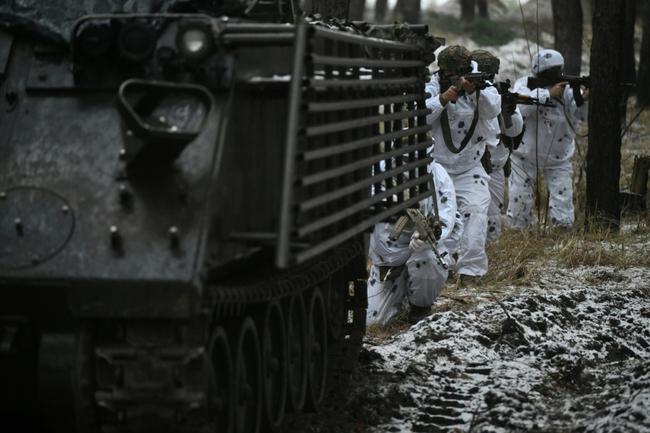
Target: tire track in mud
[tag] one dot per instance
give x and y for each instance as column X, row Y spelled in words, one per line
column 571, row 357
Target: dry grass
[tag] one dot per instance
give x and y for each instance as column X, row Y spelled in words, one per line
column 379, row 333
column 518, row 257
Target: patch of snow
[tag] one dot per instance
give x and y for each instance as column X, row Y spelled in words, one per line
column 569, row 354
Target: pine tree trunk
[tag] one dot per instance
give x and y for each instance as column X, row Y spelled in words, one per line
column 567, row 27
column 639, row 181
column 482, row 8
column 628, row 67
column 357, row 8
column 467, row 10
column 330, row 8
column 643, row 77
column 587, row 10
column 604, row 151
column 380, row 10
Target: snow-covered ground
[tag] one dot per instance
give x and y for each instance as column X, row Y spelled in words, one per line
column 570, row 353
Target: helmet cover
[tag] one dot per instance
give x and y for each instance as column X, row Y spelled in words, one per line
column 546, row 59
column 487, row 62
column 454, row 60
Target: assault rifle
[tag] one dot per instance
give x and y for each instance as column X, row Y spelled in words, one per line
column 428, row 228
column 552, row 79
column 511, row 99
column 480, row 80
column 574, row 81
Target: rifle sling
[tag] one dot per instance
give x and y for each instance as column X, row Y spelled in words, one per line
column 446, row 130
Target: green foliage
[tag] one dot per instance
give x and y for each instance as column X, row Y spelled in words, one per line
column 483, row 31
column 490, row 33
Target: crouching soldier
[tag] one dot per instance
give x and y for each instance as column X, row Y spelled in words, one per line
column 406, row 271
column 501, row 132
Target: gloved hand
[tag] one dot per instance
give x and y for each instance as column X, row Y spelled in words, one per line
column 578, row 96
column 437, row 230
column 416, row 243
column 558, row 90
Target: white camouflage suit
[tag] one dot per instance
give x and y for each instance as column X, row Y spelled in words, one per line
column 550, row 152
column 423, row 278
column 498, row 159
column 465, row 169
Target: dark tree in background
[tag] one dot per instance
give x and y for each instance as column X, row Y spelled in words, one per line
column 381, row 6
column 643, row 77
column 408, row 10
column 357, row 7
column 587, row 10
column 567, row 27
column 628, row 66
column 604, row 151
column 482, row 8
column 467, row 10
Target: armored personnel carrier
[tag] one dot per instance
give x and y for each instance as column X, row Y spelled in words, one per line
column 182, row 206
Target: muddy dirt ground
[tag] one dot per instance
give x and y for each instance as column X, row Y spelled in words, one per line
column 569, row 353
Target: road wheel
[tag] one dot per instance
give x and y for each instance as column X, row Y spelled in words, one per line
column 248, row 379
column 317, row 364
column 274, row 365
column 297, row 338
column 222, row 403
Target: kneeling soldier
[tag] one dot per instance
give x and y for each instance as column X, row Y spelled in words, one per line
column 405, row 269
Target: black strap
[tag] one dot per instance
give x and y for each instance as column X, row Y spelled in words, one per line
column 486, row 161
column 446, row 131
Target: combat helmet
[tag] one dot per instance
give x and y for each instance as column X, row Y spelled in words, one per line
column 487, row 62
column 454, row 60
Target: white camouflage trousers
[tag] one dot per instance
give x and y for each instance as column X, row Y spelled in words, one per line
column 521, row 200
column 473, row 198
column 419, row 284
column 497, row 186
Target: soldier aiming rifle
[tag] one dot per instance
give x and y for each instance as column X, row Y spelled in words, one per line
column 458, row 119
column 502, row 132
column 547, row 145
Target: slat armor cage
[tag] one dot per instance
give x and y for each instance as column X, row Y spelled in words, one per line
column 357, row 139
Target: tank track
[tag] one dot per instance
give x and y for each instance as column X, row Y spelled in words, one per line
column 145, row 376
column 287, row 284
column 153, row 375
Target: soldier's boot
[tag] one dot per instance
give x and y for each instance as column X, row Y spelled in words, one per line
column 417, row 313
